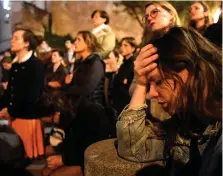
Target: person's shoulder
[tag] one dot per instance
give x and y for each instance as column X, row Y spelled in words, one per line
column 35, row 62
column 95, row 58
column 108, row 30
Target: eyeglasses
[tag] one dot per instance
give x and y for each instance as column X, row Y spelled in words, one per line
column 152, row 14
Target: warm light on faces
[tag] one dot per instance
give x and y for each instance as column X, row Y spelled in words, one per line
column 126, row 49
column 164, row 91
column 17, row 42
column 158, row 18
column 197, row 12
column 98, row 20
column 80, row 44
column 68, row 44
column 56, row 57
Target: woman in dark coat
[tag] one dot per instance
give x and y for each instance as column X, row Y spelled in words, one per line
column 124, row 77
column 25, row 87
column 89, row 125
column 56, row 72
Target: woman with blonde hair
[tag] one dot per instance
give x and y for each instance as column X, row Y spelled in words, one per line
column 159, row 17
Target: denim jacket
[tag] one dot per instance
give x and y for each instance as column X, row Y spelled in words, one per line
column 138, row 141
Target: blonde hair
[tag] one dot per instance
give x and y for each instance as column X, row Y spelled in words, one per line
column 147, row 34
column 168, row 7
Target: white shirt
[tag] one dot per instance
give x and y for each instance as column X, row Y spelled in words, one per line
column 71, row 59
column 99, row 28
column 24, row 59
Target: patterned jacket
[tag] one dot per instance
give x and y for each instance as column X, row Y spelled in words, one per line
column 139, row 140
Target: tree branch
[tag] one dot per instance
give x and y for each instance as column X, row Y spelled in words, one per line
column 137, row 17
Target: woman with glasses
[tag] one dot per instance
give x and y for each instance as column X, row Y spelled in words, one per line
column 159, row 18
column 199, row 16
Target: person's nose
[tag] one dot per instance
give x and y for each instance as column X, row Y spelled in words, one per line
column 153, row 94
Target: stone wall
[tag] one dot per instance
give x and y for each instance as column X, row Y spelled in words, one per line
column 69, row 17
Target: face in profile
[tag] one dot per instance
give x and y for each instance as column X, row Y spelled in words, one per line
column 56, row 57
column 68, row 44
column 164, row 90
column 126, row 49
column 80, row 44
column 157, row 18
column 98, row 20
column 197, row 12
column 17, row 41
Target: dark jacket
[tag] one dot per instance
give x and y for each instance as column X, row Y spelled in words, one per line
column 214, row 33
column 25, row 87
column 88, row 80
column 121, row 84
column 90, row 125
column 5, row 75
column 11, row 149
column 59, row 75
column 212, row 157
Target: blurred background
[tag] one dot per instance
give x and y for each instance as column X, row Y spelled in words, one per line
column 57, row 21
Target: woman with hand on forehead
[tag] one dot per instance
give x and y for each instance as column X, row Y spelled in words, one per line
column 159, row 18
column 183, row 71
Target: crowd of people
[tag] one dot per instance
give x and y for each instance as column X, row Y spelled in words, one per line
column 167, row 92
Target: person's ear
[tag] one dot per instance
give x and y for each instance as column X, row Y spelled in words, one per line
column 104, row 19
column 26, row 44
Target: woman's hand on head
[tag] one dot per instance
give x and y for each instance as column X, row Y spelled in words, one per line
column 144, row 63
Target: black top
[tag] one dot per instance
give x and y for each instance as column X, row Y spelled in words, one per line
column 212, row 157
column 122, row 82
column 59, row 75
column 5, row 75
column 88, row 80
column 25, row 87
column 214, row 33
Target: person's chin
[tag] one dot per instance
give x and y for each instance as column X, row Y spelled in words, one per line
column 13, row 50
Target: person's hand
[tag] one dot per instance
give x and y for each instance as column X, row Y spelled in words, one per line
column 7, row 66
column 56, row 117
column 4, row 85
column 54, row 84
column 144, row 63
column 69, row 78
column 54, row 161
column 4, row 113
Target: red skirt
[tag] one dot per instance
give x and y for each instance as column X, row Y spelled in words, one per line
column 30, row 131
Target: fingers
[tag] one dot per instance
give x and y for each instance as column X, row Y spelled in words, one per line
column 146, row 61
column 146, row 51
column 148, row 69
column 147, row 65
column 146, row 47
